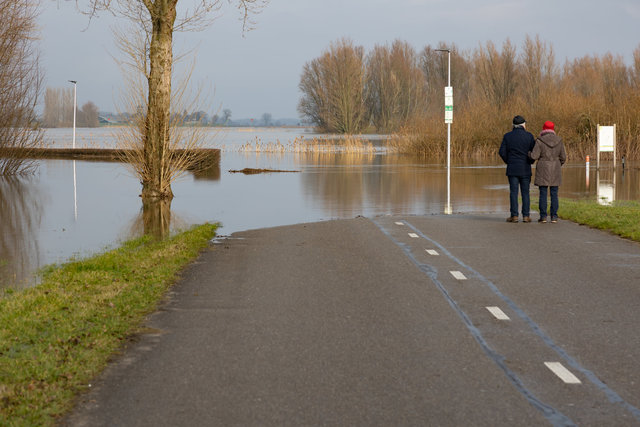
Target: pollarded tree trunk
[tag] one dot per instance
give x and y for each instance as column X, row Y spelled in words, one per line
column 156, row 145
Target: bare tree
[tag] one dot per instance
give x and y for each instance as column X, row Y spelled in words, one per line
column 89, row 115
column 635, row 71
column 333, row 89
column 52, row 113
column 58, row 110
column 615, row 78
column 395, row 86
column 183, row 144
column 538, row 69
column 496, row 73
column 383, row 89
column 583, row 77
column 434, row 65
column 159, row 20
column 226, row 116
column 20, row 85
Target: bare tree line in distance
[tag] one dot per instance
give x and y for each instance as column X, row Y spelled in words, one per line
column 396, row 89
column 58, row 110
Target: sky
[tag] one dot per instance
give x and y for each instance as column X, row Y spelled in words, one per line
column 258, row 72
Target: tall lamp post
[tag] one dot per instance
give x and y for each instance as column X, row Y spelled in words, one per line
column 448, row 119
column 75, row 198
column 75, row 85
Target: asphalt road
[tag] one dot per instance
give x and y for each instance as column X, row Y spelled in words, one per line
column 437, row 320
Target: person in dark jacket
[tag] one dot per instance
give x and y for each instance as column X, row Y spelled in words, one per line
column 550, row 154
column 514, row 150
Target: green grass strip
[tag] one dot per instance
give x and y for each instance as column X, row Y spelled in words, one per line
column 621, row 217
column 56, row 337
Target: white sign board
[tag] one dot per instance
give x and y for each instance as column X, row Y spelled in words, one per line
column 606, row 139
column 448, row 104
column 606, row 142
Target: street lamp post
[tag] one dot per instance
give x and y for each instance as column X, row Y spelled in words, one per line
column 75, row 84
column 448, row 118
column 75, row 197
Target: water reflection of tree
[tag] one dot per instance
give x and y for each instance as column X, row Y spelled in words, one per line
column 156, row 217
column 156, row 220
column 21, row 214
column 353, row 183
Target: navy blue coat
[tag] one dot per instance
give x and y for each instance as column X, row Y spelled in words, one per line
column 515, row 149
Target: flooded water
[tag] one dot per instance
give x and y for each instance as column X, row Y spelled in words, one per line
column 74, row 209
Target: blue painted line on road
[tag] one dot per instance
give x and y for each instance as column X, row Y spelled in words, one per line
column 612, row 395
column 554, row 416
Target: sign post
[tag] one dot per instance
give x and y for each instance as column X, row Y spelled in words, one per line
column 448, row 119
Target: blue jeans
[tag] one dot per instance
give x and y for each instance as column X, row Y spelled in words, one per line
column 542, row 202
column 523, row 182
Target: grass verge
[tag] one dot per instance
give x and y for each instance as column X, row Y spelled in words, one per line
column 621, row 218
column 56, row 337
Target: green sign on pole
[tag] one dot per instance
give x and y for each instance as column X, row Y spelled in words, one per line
column 448, row 104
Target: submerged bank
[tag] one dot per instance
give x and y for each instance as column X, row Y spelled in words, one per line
column 210, row 156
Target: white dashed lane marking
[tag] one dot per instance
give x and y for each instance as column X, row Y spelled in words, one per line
column 432, row 252
column 458, row 275
column 563, row 373
column 497, row 313
column 399, row 223
column 414, row 235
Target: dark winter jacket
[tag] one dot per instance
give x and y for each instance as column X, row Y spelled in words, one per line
column 550, row 154
column 514, row 150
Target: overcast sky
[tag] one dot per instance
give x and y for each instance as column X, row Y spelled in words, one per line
column 259, row 73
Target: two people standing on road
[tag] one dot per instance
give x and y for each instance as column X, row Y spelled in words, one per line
column 550, row 154
column 514, row 151
column 519, row 149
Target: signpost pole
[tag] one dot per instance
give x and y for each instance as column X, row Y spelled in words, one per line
column 598, row 147
column 448, row 211
column 448, row 119
column 614, row 151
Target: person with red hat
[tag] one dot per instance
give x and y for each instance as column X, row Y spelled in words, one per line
column 550, row 153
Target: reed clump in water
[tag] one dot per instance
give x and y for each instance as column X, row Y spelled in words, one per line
column 347, row 144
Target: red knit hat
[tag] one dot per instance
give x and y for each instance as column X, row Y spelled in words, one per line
column 548, row 125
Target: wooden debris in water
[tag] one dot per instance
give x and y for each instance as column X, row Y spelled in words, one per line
column 252, row 171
